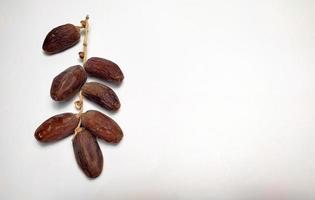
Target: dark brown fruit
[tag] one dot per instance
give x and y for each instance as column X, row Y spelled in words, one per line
column 102, row 95
column 68, row 83
column 88, row 153
column 57, row 127
column 101, row 126
column 104, row 69
column 61, row 38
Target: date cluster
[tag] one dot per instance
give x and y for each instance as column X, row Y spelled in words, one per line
column 90, row 125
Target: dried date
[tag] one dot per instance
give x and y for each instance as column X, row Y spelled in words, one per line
column 102, row 126
column 57, row 127
column 68, row 83
column 61, row 38
column 88, row 153
column 104, row 69
column 102, row 95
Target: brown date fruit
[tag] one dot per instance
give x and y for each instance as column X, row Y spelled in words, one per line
column 102, row 126
column 61, row 38
column 68, row 83
column 88, row 153
column 57, row 127
column 102, row 95
column 104, row 69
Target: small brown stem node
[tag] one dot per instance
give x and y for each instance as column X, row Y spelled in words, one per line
column 81, row 54
column 83, row 23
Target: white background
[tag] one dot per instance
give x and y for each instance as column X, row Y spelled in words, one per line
column 218, row 100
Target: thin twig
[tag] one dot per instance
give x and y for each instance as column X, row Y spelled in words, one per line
column 79, row 103
column 85, row 41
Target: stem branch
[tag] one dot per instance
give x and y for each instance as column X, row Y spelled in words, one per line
column 85, row 41
column 79, row 103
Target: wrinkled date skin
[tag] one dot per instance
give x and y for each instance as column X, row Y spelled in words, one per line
column 88, row 153
column 57, row 127
column 104, row 69
column 102, row 126
column 68, row 83
column 61, row 38
column 102, row 95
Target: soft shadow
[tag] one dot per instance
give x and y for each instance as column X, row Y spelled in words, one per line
column 101, row 109
column 108, row 84
column 103, row 142
column 62, row 104
column 48, row 144
column 112, row 85
column 79, row 61
column 45, row 144
column 49, row 54
column 83, row 174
